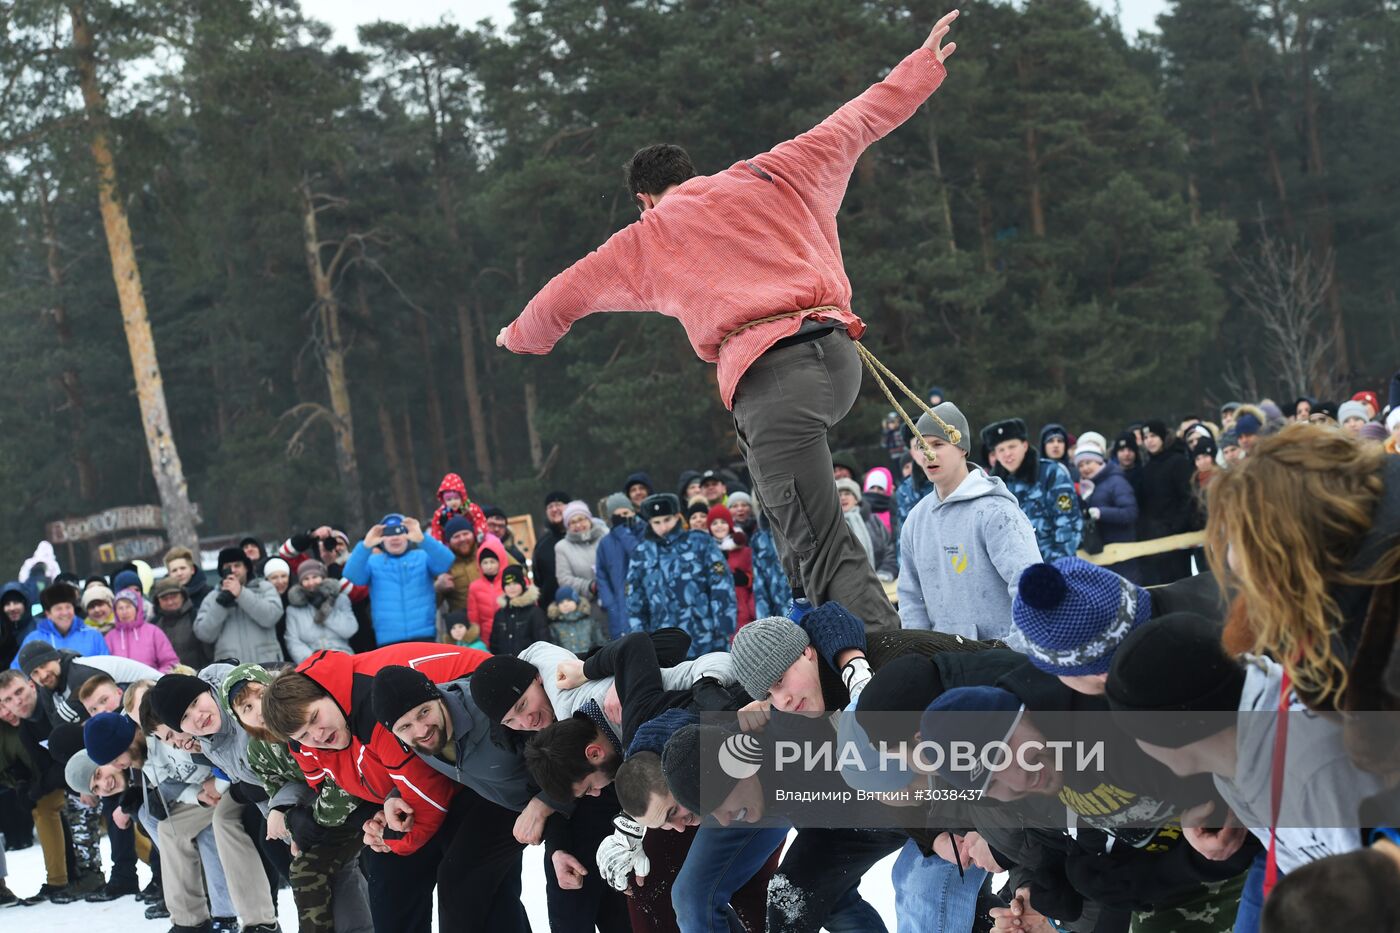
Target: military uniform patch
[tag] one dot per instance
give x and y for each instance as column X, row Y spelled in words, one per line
column 1064, row 503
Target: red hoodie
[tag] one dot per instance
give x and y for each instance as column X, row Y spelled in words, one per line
column 375, row 764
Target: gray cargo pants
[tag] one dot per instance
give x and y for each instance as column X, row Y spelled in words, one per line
column 783, row 407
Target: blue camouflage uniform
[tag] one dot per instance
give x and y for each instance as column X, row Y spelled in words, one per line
column 682, row 580
column 911, row 490
column 1051, row 504
column 771, row 590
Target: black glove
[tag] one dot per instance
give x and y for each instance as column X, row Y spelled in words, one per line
column 315, row 597
column 302, row 541
column 304, row 829
column 741, row 578
column 225, row 598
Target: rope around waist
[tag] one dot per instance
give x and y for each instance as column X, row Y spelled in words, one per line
column 877, row 370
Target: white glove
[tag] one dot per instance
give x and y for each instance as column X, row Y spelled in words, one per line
column 1094, row 513
column 855, row 675
column 621, row 853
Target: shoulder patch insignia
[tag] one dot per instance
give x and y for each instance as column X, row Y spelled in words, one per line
column 720, row 567
column 1065, row 502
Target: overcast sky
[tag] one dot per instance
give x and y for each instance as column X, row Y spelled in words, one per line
column 345, row 15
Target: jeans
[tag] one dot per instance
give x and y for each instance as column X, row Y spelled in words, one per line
column 215, row 884
column 1252, row 897
column 123, row 843
column 720, row 861
column 930, row 897
column 818, row 882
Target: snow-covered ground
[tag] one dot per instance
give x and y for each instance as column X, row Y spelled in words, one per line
column 127, row 916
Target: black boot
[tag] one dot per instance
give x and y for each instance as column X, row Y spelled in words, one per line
column 7, row 897
column 79, row 888
column 223, row 925
column 150, row 894
column 157, row 911
column 202, row 928
column 46, row 892
column 113, row 890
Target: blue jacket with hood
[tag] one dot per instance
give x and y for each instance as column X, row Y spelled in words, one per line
column 611, row 560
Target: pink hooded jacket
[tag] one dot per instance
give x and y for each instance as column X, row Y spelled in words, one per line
column 138, row 639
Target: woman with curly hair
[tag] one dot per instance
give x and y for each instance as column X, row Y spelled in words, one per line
column 1306, row 533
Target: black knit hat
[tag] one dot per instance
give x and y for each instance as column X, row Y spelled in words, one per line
column 557, row 496
column 698, row 507
column 56, row 593
column 172, row 696
column 35, row 653
column 65, row 741
column 691, row 760
column 897, row 695
column 499, row 683
column 514, row 574
column 660, row 505
column 1126, row 441
column 398, row 689
column 1174, row 664
column 1158, row 427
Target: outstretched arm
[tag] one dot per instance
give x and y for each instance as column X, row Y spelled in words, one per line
column 820, row 161
column 607, row 279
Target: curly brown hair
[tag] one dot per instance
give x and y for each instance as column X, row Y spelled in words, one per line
column 1283, row 532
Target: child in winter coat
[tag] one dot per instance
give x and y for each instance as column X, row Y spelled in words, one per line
column 571, row 625
column 739, row 557
column 460, row 631
column 452, row 499
column 135, row 638
column 486, row 589
column 519, row 622
column 319, row 614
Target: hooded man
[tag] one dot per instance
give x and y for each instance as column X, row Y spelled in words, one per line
column 613, row 557
column 16, row 620
column 542, row 562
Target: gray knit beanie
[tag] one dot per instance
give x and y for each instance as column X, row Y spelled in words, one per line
column 619, row 501
column 763, row 650
column 78, row 773
column 949, row 413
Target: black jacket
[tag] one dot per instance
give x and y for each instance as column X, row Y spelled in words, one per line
column 1165, row 500
column 519, row 624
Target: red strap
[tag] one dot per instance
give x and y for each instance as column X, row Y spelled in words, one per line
column 1276, row 781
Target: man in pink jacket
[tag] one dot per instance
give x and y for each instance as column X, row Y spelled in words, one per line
column 749, row 262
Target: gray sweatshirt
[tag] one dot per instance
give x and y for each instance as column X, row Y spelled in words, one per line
column 1322, row 789
column 960, row 559
column 228, row 748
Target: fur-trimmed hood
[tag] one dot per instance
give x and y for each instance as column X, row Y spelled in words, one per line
column 531, row 597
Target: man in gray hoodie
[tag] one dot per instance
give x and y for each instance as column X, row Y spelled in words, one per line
column 963, row 548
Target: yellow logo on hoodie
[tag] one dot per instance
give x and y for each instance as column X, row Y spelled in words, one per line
column 958, row 558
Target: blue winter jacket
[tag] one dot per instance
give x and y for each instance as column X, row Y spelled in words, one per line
column 771, row 591
column 402, row 602
column 682, row 580
column 80, row 638
column 1047, row 496
column 1113, row 496
column 611, row 559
